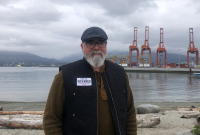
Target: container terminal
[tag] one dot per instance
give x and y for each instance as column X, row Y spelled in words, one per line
column 144, row 62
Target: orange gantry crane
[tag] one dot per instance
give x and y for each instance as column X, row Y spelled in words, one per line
column 191, row 48
column 133, row 47
column 146, row 42
column 161, row 49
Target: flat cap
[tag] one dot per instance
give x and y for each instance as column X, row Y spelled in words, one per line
column 94, row 33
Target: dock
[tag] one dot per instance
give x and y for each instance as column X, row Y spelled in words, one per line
column 162, row 70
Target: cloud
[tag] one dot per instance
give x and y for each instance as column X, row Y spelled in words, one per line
column 52, row 28
column 114, row 7
column 5, row 2
column 29, row 13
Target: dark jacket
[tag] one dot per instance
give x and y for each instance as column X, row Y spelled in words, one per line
column 53, row 115
column 81, row 102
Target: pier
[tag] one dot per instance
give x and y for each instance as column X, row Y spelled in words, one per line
column 162, row 70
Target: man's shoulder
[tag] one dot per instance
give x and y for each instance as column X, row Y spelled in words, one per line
column 59, row 75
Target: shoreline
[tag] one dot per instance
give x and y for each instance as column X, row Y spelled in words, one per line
column 162, row 70
column 39, row 106
column 171, row 123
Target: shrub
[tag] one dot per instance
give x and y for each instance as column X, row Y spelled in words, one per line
column 196, row 129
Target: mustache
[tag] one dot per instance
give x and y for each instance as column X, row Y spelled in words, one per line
column 93, row 52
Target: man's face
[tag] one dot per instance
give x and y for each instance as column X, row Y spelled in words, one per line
column 95, row 56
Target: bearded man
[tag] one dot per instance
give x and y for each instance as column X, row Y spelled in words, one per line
column 91, row 96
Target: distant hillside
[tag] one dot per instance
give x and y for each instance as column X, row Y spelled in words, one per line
column 171, row 57
column 72, row 58
column 11, row 58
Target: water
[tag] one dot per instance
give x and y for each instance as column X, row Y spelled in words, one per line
column 32, row 84
column 28, row 84
column 164, row 87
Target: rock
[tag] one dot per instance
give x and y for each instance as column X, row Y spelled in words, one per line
column 164, row 113
column 1, row 109
column 147, row 108
column 147, row 121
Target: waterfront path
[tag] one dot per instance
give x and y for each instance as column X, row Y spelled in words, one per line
column 162, row 70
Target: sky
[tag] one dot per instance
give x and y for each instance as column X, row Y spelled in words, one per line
column 53, row 28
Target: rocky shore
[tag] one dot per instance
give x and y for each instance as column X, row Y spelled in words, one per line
column 171, row 123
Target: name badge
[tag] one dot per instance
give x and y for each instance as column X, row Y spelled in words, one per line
column 84, row 82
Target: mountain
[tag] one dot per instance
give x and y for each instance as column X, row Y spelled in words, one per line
column 11, row 58
column 72, row 58
column 171, row 57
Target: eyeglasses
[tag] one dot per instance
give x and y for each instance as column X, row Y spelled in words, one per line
column 100, row 44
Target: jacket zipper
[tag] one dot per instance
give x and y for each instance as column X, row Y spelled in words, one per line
column 97, row 103
column 113, row 103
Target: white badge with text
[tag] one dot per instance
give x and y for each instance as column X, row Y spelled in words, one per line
column 84, row 82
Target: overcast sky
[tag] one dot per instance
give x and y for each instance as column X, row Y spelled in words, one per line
column 53, row 28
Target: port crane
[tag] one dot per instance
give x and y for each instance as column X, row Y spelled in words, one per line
column 133, row 47
column 191, row 48
column 146, row 42
column 161, row 49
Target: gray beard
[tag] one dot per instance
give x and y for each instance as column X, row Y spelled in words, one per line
column 95, row 60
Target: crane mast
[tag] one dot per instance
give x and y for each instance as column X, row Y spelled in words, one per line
column 133, row 47
column 191, row 48
column 161, row 49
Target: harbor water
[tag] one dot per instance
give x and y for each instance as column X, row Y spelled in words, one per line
column 164, row 87
column 32, row 84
